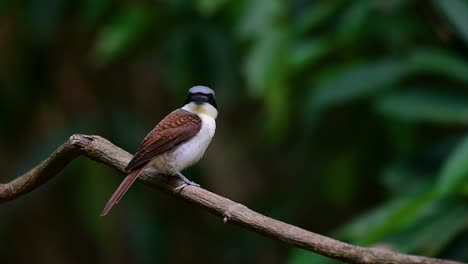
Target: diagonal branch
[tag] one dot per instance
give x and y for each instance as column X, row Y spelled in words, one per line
column 103, row 151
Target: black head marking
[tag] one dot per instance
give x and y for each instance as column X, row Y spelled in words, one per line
column 201, row 94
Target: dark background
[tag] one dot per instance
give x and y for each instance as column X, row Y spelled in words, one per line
column 346, row 118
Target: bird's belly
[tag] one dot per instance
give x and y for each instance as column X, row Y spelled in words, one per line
column 187, row 153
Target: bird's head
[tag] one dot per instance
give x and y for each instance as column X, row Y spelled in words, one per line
column 201, row 100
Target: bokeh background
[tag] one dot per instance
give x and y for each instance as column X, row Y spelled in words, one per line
column 346, row 118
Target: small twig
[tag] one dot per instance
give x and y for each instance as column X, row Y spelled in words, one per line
column 103, row 151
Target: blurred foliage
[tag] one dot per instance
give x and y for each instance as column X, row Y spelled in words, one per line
column 347, row 118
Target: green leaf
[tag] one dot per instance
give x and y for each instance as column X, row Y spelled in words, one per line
column 454, row 173
column 456, row 11
column 315, row 15
column 306, row 53
column 425, row 106
column 440, row 63
column 401, row 177
column 391, row 217
column 357, row 81
column 447, row 220
column 266, row 61
column 209, row 7
column 259, row 17
column 353, row 20
column 118, row 36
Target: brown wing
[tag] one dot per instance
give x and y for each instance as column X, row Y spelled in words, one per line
column 175, row 129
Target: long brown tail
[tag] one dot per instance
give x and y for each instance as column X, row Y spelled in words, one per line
column 124, row 186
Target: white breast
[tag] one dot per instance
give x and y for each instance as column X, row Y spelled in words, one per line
column 189, row 152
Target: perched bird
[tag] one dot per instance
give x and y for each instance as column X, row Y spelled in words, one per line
column 175, row 143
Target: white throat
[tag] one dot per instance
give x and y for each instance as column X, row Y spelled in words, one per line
column 201, row 109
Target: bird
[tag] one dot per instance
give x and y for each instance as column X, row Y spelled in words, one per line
column 178, row 141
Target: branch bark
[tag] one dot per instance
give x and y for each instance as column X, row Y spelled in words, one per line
column 103, row 151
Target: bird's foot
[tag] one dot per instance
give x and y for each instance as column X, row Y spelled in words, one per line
column 180, row 187
column 186, row 182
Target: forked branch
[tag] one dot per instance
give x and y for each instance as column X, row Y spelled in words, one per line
column 103, row 151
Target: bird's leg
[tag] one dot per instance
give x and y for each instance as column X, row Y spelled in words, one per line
column 186, row 182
